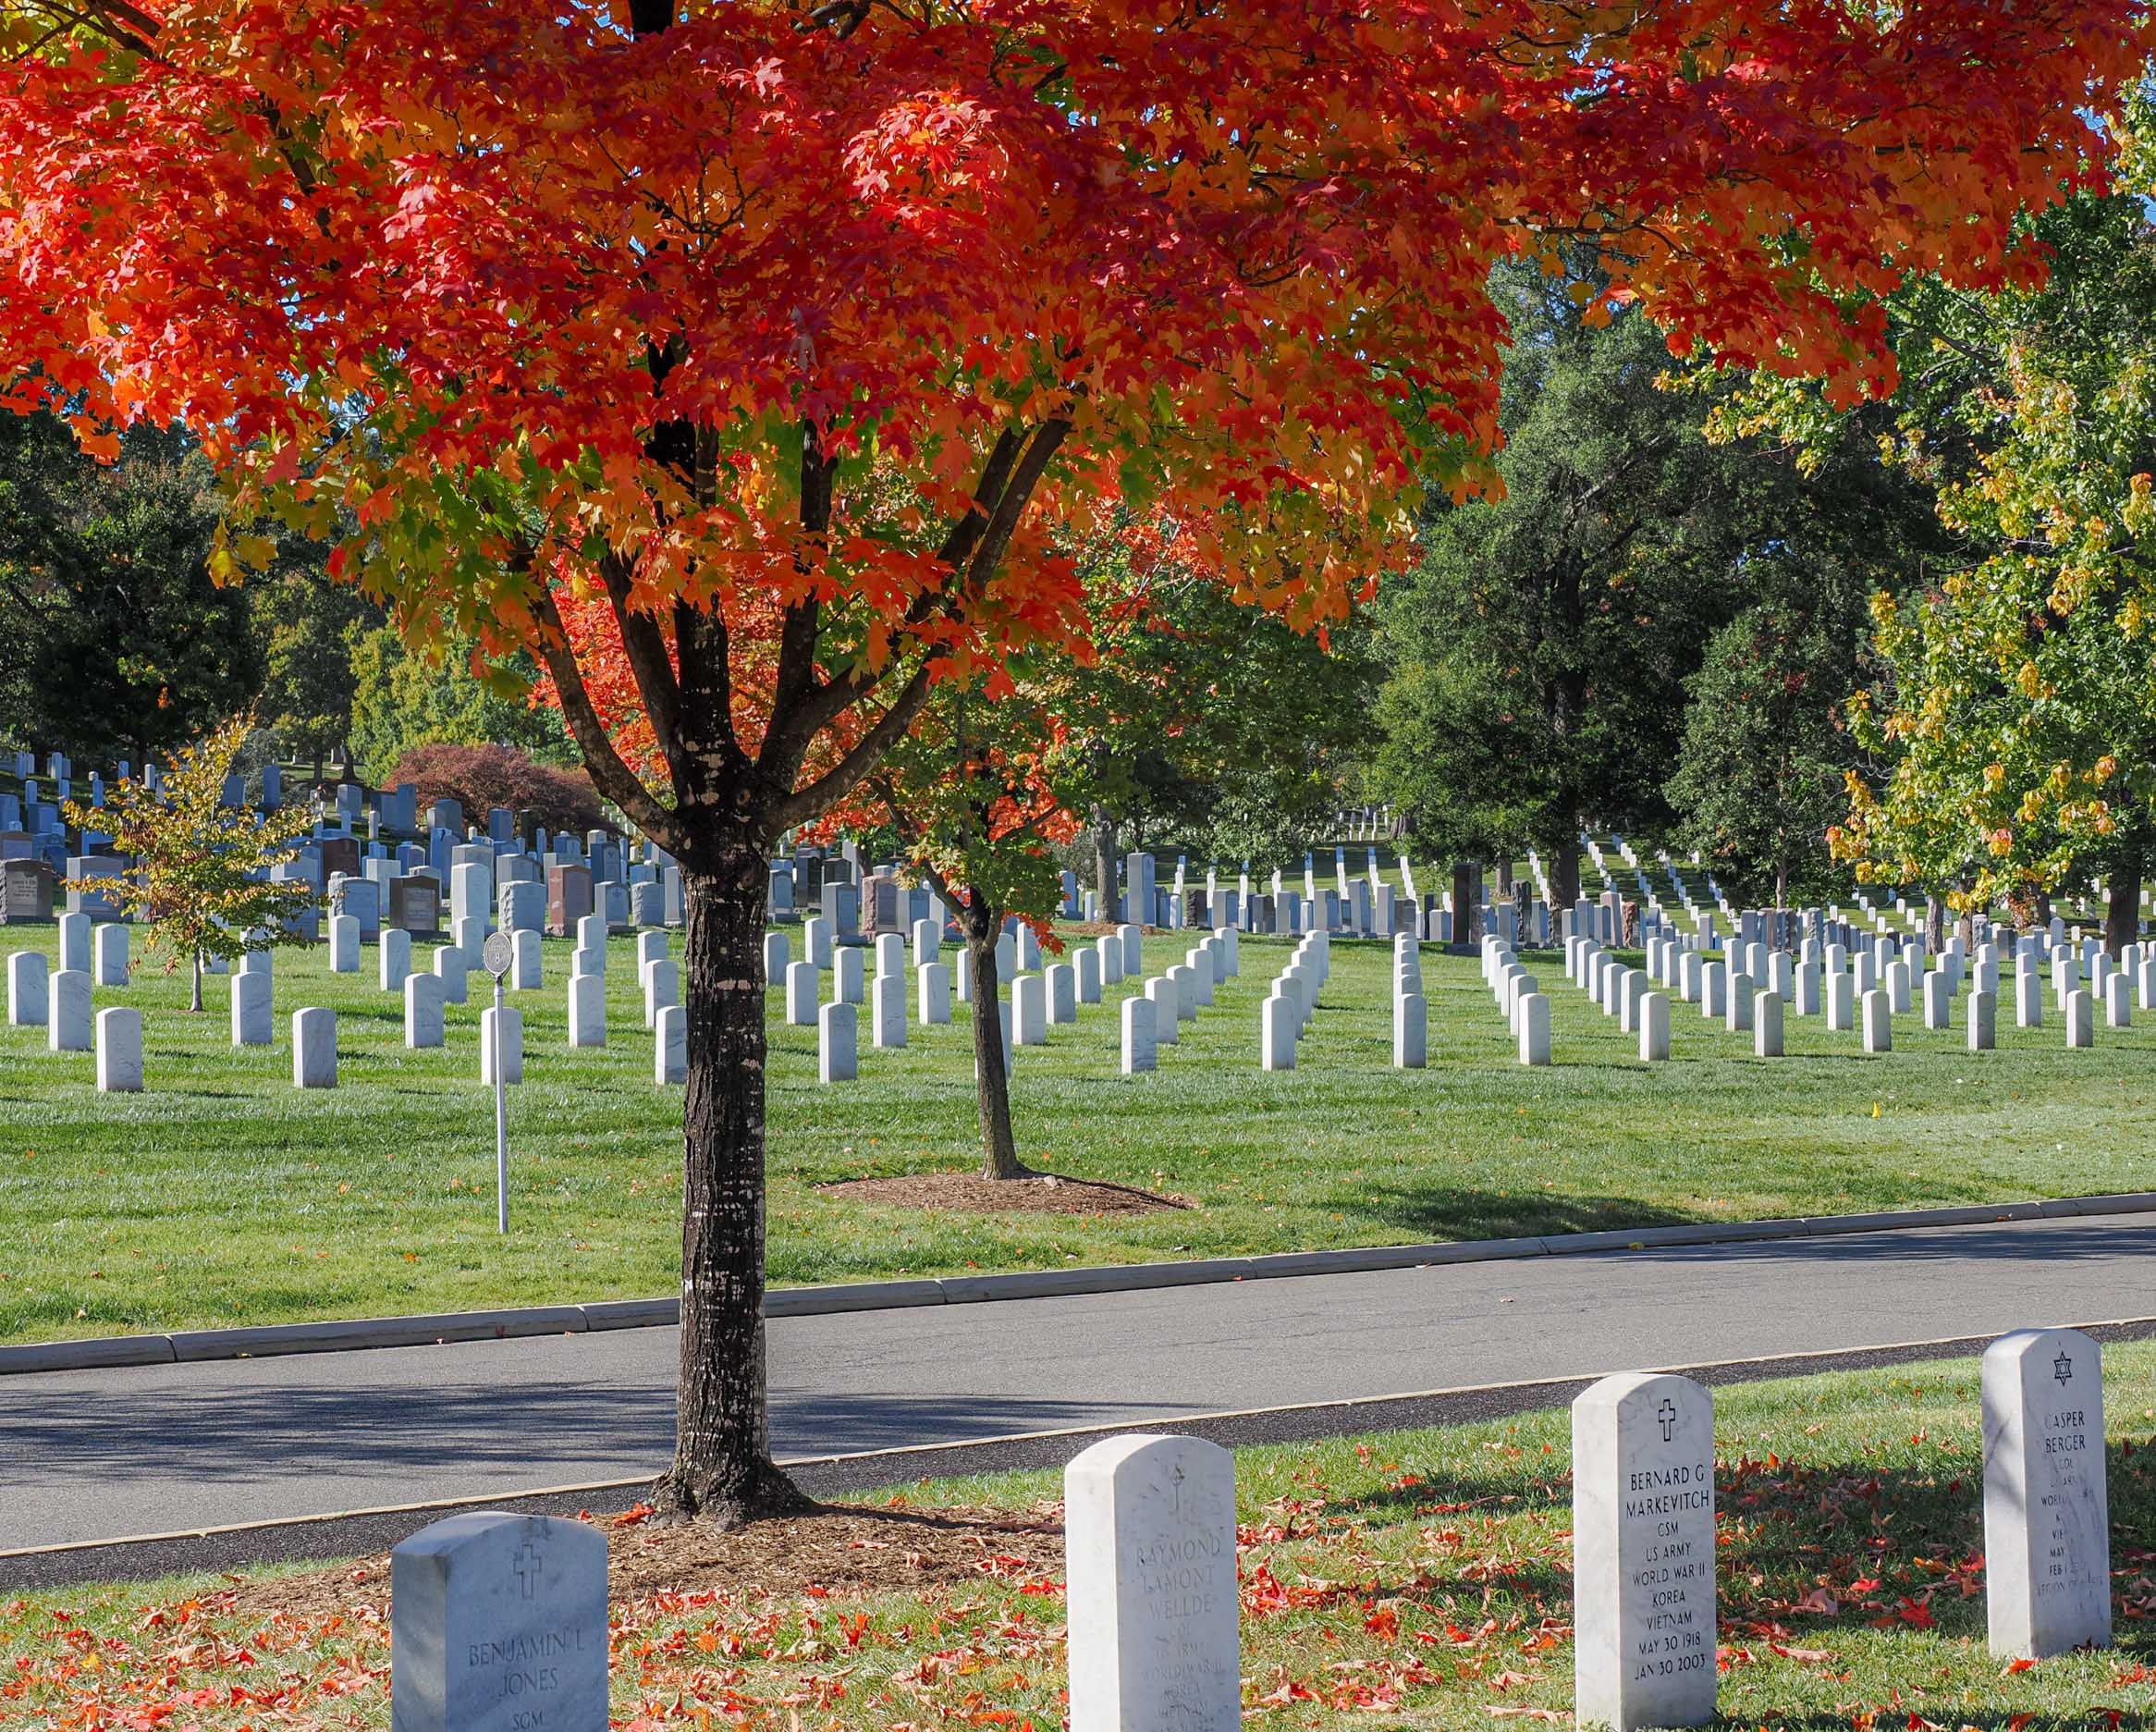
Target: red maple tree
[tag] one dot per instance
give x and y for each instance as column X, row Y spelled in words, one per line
column 794, row 336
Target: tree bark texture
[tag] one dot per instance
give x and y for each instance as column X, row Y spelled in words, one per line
column 2122, row 912
column 723, row 1469
column 999, row 1143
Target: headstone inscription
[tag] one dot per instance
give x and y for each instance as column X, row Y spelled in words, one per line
column 26, row 892
column 415, row 904
column 568, row 897
column 1643, row 1551
column 2047, row 1529
column 498, row 1623
column 1149, row 1526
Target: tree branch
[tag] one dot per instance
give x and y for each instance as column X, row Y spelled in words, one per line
column 609, row 774
column 646, row 647
column 820, row 795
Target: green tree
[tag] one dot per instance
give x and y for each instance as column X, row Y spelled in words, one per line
column 1202, row 721
column 1540, row 656
column 2014, row 712
column 119, row 644
column 199, row 870
column 1761, row 772
column 966, row 798
column 404, row 698
column 308, row 626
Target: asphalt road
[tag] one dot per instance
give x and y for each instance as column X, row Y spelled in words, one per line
column 95, row 1456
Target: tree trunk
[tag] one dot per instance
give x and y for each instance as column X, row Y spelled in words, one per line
column 1934, row 924
column 197, row 1003
column 722, row 1469
column 1782, row 884
column 1104, row 863
column 1565, row 881
column 1504, row 875
column 2122, row 912
column 998, row 1145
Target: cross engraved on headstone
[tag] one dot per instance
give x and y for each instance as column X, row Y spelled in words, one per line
column 527, row 1569
column 1667, row 1416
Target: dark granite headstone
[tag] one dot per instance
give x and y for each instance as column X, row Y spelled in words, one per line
column 340, row 853
column 415, row 904
column 26, row 892
column 568, row 898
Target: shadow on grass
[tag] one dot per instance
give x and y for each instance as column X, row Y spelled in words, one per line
column 1438, row 1211
column 1808, row 1550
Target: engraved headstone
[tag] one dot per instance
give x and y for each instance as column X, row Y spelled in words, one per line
column 1149, row 1526
column 415, row 904
column 498, row 1623
column 26, row 892
column 1643, row 1553
column 568, row 898
column 2046, row 1530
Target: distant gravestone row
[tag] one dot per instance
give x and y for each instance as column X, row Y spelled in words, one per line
column 61, row 1003
column 499, row 1621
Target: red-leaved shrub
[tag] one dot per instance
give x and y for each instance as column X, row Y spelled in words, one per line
column 484, row 776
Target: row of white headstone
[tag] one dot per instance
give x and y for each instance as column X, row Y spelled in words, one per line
column 1152, row 1015
column 1285, row 1015
column 1037, row 1002
column 499, row 1621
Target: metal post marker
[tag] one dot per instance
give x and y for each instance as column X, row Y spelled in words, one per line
column 495, row 958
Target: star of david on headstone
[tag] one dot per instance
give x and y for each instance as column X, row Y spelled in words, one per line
column 1667, row 1415
column 2063, row 1368
column 526, row 1565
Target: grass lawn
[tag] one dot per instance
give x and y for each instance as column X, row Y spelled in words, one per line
column 1418, row 1579
column 224, row 1195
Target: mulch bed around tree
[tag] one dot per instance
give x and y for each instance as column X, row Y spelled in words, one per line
column 838, row 1549
column 969, row 1193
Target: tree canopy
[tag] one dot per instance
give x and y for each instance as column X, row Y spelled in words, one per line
column 806, row 343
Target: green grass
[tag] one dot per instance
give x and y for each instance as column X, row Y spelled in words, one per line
column 1407, row 1580
column 225, row 1195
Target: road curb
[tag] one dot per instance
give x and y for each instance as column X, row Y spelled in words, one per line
column 274, row 1340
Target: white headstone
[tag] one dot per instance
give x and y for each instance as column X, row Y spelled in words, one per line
column 314, row 1048
column 422, row 1011
column 498, row 1623
column 849, row 974
column 670, row 1047
column 1155, row 1639
column 1766, row 1023
column 662, row 983
column 395, row 961
column 1277, row 1018
column 119, row 1051
column 27, row 994
column 888, row 1007
column 527, row 968
column 512, row 1044
column 1879, row 1024
column 1138, row 1048
column 1411, row 1031
column 69, row 1025
column 451, row 966
column 1654, row 1027
column 1161, row 994
column 2047, row 1529
column 74, row 942
column 587, row 1010
column 1533, row 1012
column 111, row 948
column 343, row 945
column 1643, row 1553
column 932, row 986
column 251, row 1010
column 838, row 1034
column 1029, row 1009
column 1983, row 1016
